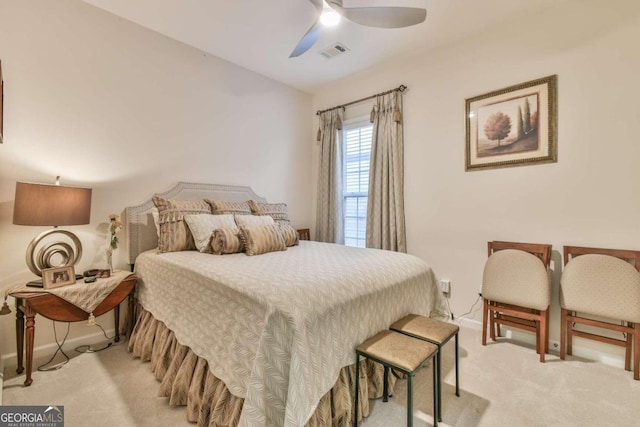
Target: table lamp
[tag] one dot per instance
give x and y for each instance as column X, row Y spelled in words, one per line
column 55, row 205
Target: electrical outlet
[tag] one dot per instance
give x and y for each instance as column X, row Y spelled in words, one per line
column 445, row 286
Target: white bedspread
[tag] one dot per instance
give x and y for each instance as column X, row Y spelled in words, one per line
column 277, row 328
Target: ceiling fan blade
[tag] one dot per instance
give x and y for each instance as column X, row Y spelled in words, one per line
column 308, row 40
column 318, row 5
column 381, row 17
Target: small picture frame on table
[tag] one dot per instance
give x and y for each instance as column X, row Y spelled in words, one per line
column 58, row 276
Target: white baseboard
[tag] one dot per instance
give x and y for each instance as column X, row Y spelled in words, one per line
column 47, row 350
column 578, row 350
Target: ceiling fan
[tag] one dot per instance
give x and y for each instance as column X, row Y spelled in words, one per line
column 379, row 17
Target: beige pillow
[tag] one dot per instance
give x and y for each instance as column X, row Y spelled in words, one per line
column 202, row 226
column 219, row 207
column 277, row 211
column 226, row 241
column 289, row 234
column 174, row 232
column 262, row 239
column 156, row 220
column 253, row 220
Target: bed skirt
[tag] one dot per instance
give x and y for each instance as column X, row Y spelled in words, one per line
column 186, row 380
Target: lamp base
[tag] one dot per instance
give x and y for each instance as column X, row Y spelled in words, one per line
column 44, row 257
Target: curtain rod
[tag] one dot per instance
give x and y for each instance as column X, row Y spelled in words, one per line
column 400, row 88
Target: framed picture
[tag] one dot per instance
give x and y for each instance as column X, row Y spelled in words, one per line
column 59, row 276
column 514, row 126
column 1, row 103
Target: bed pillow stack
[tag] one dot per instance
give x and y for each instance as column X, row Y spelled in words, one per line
column 221, row 227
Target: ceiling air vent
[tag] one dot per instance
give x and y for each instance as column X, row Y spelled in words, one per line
column 334, row 50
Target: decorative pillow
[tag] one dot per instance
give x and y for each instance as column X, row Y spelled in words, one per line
column 226, row 241
column 253, row 220
column 219, row 207
column 174, row 232
column 263, row 239
column 289, row 234
column 202, row 226
column 277, row 211
column 156, row 220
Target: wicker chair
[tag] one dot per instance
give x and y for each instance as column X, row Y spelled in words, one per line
column 516, row 289
column 601, row 283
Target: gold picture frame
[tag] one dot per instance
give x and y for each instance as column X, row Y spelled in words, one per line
column 513, row 126
column 1, row 104
column 58, row 276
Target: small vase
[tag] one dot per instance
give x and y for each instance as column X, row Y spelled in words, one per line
column 110, row 259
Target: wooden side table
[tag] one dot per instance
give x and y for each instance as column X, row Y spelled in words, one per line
column 28, row 304
column 304, row 234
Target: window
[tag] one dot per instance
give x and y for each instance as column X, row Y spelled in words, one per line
column 357, row 153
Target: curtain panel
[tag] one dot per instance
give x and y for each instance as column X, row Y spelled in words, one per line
column 329, row 221
column 385, row 208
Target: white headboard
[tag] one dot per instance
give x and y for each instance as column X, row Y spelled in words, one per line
column 140, row 229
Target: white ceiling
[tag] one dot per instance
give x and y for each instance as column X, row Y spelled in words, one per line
column 260, row 34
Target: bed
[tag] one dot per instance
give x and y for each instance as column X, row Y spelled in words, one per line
column 266, row 340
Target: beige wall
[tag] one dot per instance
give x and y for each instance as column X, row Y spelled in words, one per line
column 590, row 197
column 113, row 106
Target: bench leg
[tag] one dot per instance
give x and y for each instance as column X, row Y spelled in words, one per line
column 436, row 391
column 485, row 320
column 438, row 361
column 385, row 396
column 355, row 400
column 410, row 400
column 457, row 381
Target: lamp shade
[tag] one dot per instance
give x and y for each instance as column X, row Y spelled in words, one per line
column 40, row 204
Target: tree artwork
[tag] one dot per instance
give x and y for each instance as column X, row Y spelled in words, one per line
column 519, row 125
column 526, row 117
column 497, row 126
column 534, row 121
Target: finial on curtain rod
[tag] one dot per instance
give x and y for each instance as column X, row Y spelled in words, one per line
column 400, row 88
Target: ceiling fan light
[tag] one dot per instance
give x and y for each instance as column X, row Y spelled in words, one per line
column 329, row 18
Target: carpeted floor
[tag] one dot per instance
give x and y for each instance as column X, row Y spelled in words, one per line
column 502, row 384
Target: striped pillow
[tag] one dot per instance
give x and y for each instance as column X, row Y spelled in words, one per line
column 289, row 234
column 277, row 211
column 174, row 232
column 262, row 239
column 219, row 207
column 226, row 241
